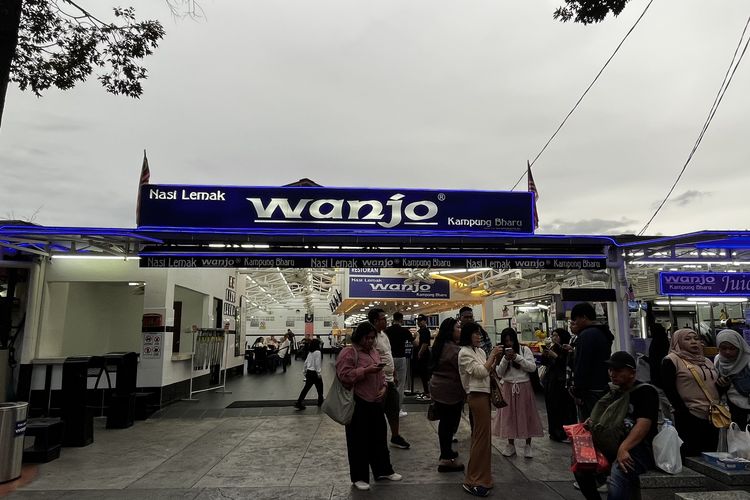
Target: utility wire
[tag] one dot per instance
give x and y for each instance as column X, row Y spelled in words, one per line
column 733, row 65
column 584, row 93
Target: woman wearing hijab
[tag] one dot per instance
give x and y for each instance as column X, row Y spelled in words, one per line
column 733, row 365
column 680, row 370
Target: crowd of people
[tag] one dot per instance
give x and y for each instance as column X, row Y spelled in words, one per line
column 582, row 378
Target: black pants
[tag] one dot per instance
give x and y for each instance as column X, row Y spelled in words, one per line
column 311, row 378
column 423, row 364
column 450, row 417
column 561, row 409
column 697, row 434
column 286, row 361
column 366, row 442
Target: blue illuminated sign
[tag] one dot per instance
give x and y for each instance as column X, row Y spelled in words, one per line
column 312, row 209
column 704, row 284
column 374, row 287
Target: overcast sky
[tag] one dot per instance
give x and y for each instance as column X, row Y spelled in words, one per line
column 405, row 94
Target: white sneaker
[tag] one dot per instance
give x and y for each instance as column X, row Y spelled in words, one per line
column 361, row 485
column 603, row 488
column 509, row 450
column 393, row 477
column 402, row 414
column 527, row 451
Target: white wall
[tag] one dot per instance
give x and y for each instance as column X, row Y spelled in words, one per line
column 82, row 295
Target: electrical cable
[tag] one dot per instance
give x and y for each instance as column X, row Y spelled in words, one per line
column 584, row 92
column 733, row 65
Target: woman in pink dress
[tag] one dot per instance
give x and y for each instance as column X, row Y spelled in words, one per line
column 520, row 419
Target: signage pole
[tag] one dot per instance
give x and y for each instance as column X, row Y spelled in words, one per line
column 224, row 384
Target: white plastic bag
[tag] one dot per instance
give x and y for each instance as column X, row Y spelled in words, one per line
column 667, row 449
column 738, row 441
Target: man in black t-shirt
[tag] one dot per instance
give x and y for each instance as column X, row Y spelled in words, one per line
column 635, row 455
column 398, row 337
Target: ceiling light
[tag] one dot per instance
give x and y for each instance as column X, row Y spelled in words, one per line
column 678, row 303
column 95, row 257
column 717, row 299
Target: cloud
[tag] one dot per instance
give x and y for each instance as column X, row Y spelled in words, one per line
column 689, row 197
column 591, row 226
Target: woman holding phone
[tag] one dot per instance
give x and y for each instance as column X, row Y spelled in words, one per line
column 360, row 368
column 474, row 368
column 520, row 419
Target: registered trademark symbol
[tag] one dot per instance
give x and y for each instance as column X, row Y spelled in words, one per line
column 441, row 197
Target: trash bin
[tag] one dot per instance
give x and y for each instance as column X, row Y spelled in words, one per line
column 121, row 411
column 76, row 415
column 12, row 431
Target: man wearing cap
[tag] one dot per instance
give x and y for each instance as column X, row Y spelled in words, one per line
column 634, row 455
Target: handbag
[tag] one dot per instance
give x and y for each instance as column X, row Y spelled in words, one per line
column 718, row 411
column 339, row 403
column 496, row 393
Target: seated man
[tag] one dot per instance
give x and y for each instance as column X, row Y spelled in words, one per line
column 634, row 455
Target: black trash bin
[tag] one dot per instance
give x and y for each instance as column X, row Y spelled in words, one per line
column 77, row 417
column 121, row 411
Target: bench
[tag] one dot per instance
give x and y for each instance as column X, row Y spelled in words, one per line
column 724, row 476
column 688, row 478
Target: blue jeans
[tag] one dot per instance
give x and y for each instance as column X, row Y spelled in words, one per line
column 623, row 485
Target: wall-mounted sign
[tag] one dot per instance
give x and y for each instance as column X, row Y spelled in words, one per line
column 397, row 288
column 152, row 344
column 364, row 271
column 704, row 284
column 312, row 209
column 163, row 260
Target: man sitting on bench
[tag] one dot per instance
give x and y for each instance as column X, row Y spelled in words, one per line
column 634, row 455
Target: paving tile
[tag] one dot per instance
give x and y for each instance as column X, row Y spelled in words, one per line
column 283, row 493
column 97, row 494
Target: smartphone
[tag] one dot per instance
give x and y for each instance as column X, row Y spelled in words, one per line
column 508, row 350
column 381, row 365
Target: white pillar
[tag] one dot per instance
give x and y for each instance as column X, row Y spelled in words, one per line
column 618, row 310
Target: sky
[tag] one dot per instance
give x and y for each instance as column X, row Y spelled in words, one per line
column 433, row 94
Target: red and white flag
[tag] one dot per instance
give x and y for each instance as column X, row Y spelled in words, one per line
column 145, row 178
column 532, row 189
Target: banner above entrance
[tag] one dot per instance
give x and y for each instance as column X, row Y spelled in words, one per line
column 313, row 210
column 704, row 284
column 372, row 261
column 374, row 287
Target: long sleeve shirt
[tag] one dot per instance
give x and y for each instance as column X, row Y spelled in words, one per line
column 526, row 363
column 350, row 369
column 445, row 383
column 474, row 375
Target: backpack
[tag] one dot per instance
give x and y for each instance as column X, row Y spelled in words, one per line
column 608, row 427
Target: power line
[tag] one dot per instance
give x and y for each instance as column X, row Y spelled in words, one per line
column 585, row 92
column 733, row 65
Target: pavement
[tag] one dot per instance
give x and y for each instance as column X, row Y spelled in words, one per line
column 204, row 451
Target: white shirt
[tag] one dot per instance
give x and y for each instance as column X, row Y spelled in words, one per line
column 474, row 375
column 284, row 348
column 526, row 359
column 383, row 345
column 314, row 361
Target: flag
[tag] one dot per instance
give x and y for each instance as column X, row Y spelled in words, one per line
column 309, row 325
column 532, row 189
column 145, row 178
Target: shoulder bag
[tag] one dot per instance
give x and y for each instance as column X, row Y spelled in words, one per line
column 339, row 403
column 718, row 412
column 496, row 393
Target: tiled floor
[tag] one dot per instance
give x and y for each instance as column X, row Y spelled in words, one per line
column 204, row 451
